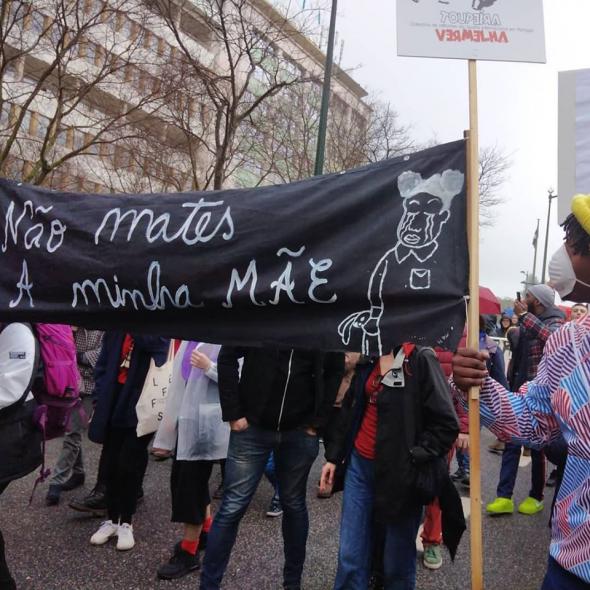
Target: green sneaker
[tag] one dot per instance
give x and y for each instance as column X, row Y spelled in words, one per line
column 501, row 506
column 530, row 506
column 432, row 557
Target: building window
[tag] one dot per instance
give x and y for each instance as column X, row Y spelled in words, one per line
column 26, row 122
column 37, row 23
column 91, row 52
column 155, row 43
column 78, row 139
column 42, row 125
column 128, row 29
column 106, row 150
column 122, row 157
column 5, row 114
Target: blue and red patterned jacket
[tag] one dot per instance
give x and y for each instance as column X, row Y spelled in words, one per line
column 557, row 400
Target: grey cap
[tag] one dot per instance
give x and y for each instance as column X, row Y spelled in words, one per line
column 544, row 293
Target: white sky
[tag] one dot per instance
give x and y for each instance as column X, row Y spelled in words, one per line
column 517, row 110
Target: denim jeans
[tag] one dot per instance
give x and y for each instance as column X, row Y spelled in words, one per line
column 509, row 471
column 248, row 453
column 558, row 578
column 463, row 460
column 70, row 460
column 271, row 474
column 356, row 533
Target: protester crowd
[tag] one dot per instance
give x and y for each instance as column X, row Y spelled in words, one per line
column 391, row 428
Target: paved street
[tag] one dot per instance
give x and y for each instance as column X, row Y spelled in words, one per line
column 49, row 549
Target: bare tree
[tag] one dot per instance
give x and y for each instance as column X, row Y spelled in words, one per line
column 76, row 78
column 494, row 165
column 222, row 92
column 282, row 145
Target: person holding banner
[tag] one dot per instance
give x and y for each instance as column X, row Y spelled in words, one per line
column 119, row 375
column 396, row 426
column 279, row 403
column 68, row 473
column 556, row 401
column 192, row 427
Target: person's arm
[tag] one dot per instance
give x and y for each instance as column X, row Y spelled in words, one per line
column 212, row 373
column 228, row 381
column 536, row 328
column 202, row 361
column 525, row 417
column 440, row 425
column 89, row 357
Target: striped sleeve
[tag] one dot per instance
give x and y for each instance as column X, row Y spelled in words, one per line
column 527, row 416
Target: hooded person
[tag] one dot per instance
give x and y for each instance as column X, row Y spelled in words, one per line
column 556, row 401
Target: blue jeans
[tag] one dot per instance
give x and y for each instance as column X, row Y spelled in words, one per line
column 271, row 474
column 248, row 453
column 509, row 471
column 356, row 533
column 463, row 460
column 558, row 578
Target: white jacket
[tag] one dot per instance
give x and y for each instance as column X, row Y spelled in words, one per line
column 192, row 417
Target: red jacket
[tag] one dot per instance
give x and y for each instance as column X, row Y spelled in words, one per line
column 445, row 358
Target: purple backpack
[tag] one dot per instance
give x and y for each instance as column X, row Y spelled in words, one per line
column 60, row 389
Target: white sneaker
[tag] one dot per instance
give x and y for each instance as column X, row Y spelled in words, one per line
column 125, row 540
column 107, row 530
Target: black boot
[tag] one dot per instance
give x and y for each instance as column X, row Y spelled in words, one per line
column 52, row 498
column 181, row 563
column 94, row 503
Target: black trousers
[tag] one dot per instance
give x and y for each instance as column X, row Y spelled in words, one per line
column 126, row 458
column 189, row 484
column 6, row 581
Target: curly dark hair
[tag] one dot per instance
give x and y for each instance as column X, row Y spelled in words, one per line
column 576, row 236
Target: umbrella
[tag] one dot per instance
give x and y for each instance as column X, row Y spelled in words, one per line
column 488, row 302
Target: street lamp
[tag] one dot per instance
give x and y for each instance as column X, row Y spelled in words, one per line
column 323, row 124
column 525, row 282
column 551, row 196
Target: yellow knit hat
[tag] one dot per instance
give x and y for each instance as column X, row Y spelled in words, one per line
column 581, row 210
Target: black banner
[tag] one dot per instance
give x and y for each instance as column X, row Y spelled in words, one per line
column 361, row 260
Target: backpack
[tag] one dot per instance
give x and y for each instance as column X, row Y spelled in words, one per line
column 21, row 441
column 59, row 388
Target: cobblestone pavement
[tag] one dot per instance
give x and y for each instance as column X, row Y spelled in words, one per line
column 49, row 549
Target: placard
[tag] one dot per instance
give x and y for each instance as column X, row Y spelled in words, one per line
column 496, row 30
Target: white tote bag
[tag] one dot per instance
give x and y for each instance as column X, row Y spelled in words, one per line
column 152, row 401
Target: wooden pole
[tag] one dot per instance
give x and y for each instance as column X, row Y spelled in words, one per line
column 473, row 330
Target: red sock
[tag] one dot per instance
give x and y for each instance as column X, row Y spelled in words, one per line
column 189, row 546
column 207, row 524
